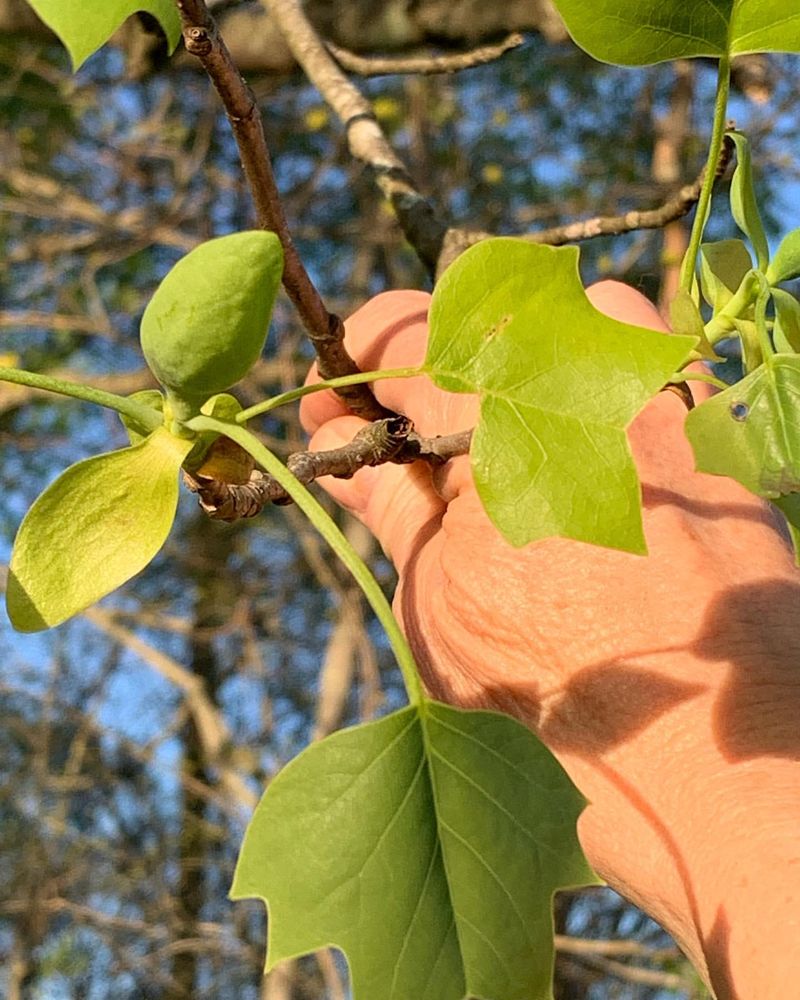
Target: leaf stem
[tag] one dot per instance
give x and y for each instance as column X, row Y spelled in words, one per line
column 698, row 377
column 323, row 522
column 715, row 147
column 331, row 383
column 723, row 325
column 146, row 417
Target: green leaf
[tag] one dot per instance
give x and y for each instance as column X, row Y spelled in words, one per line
column 559, row 382
column 786, row 332
column 205, row 326
column 427, row 846
column 786, row 264
column 639, row 32
column 84, row 25
column 95, row 527
column 685, row 317
column 723, row 266
column 751, row 432
column 744, row 206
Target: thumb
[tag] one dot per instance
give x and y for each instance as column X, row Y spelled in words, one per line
column 398, row 503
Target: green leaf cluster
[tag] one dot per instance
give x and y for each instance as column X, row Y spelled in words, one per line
column 751, row 431
column 105, row 518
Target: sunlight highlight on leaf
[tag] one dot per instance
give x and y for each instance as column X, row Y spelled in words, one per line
column 559, row 382
column 640, row 32
column 95, row 527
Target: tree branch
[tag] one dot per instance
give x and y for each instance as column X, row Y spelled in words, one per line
column 422, row 65
column 325, row 330
column 673, row 208
column 388, row 440
column 211, row 726
column 366, row 140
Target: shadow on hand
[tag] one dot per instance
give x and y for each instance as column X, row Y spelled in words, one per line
column 757, row 713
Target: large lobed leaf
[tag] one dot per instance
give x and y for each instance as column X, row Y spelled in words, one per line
column 640, row 32
column 427, row 846
column 95, row 527
column 559, row 382
column 85, row 25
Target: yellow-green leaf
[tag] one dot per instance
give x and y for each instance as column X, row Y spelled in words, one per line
column 95, row 527
column 751, row 432
column 559, row 382
column 85, row 25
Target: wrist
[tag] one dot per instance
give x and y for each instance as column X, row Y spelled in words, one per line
column 707, row 844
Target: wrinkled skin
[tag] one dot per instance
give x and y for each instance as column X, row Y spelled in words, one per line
column 667, row 685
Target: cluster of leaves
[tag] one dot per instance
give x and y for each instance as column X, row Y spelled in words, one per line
column 451, row 830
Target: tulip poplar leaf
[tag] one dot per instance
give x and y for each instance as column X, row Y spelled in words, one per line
column 558, row 381
column 426, row 846
column 751, row 432
column 641, row 32
column 95, row 527
column 86, row 25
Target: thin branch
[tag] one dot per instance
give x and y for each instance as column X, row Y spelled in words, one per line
column 423, row 65
column 60, row 322
column 594, row 946
column 366, row 140
column 211, row 726
column 326, row 331
column 389, row 440
column 635, row 973
column 676, row 207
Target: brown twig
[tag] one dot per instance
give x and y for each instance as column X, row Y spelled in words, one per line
column 60, row 322
column 594, row 946
column 435, row 243
column 676, row 207
column 422, row 65
column 388, row 440
column 326, row 331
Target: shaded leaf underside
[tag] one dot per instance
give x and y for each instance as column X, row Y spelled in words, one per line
column 426, row 846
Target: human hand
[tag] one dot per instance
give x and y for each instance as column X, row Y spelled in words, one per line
column 667, row 685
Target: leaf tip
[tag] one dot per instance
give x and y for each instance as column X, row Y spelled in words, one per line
column 23, row 613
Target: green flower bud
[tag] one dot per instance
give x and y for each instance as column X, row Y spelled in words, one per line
column 205, row 327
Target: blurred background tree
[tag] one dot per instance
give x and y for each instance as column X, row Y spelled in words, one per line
column 135, row 740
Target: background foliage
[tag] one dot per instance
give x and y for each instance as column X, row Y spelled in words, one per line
column 135, row 740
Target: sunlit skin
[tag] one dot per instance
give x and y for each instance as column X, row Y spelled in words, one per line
column 668, row 685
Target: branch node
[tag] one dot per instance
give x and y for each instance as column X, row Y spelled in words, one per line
column 197, row 40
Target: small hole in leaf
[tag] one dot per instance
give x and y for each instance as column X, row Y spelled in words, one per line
column 740, row 411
